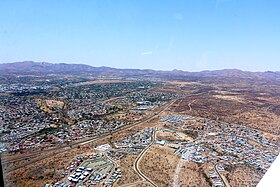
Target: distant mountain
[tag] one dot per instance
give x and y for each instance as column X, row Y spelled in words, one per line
column 43, row 67
column 226, row 75
column 46, row 67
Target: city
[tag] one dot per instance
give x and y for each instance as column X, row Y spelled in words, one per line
column 111, row 132
column 139, row 93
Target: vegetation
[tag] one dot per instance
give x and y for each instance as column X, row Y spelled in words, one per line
column 193, row 134
column 208, row 180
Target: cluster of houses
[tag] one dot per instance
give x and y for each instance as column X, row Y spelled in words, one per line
column 232, row 143
column 195, row 152
column 138, row 139
column 143, row 107
column 115, row 175
column 222, row 144
column 86, row 108
column 80, row 174
column 19, row 119
column 24, row 125
column 215, row 177
column 89, row 170
column 130, row 145
column 19, row 138
column 97, row 169
column 92, row 127
column 99, row 92
column 176, row 119
column 120, row 153
column 150, row 98
column 244, row 143
column 19, row 87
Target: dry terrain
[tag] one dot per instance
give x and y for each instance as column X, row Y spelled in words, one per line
column 49, row 105
column 257, row 110
column 46, row 170
column 241, row 104
column 191, row 175
column 99, row 81
column 165, row 168
column 128, row 173
column 171, row 136
column 243, row 176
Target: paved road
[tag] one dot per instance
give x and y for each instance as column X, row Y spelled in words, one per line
column 61, row 148
column 222, row 177
column 136, row 162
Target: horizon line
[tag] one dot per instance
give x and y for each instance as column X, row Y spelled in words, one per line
column 127, row 68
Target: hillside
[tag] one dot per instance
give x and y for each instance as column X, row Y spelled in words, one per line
column 226, row 75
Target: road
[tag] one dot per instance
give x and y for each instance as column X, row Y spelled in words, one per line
column 134, row 183
column 136, row 162
column 62, row 148
column 190, row 105
column 221, row 176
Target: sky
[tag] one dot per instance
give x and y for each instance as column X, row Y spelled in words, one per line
column 191, row 35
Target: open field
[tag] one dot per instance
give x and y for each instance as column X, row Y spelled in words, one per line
column 44, row 171
column 99, row 81
column 165, row 168
column 190, row 174
column 171, row 136
column 50, row 105
column 243, row 176
column 159, row 164
column 129, row 175
column 228, row 107
column 102, row 108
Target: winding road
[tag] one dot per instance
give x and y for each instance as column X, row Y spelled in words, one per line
column 221, row 176
column 138, row 159
column 62, row 148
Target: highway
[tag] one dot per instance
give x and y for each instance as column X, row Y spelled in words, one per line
column 62, row 148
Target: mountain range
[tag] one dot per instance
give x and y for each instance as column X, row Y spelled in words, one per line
column 30, row 67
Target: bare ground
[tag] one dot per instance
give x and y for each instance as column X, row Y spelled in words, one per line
column 165, row 168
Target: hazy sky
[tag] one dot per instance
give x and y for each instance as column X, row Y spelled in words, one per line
column 189, row 34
